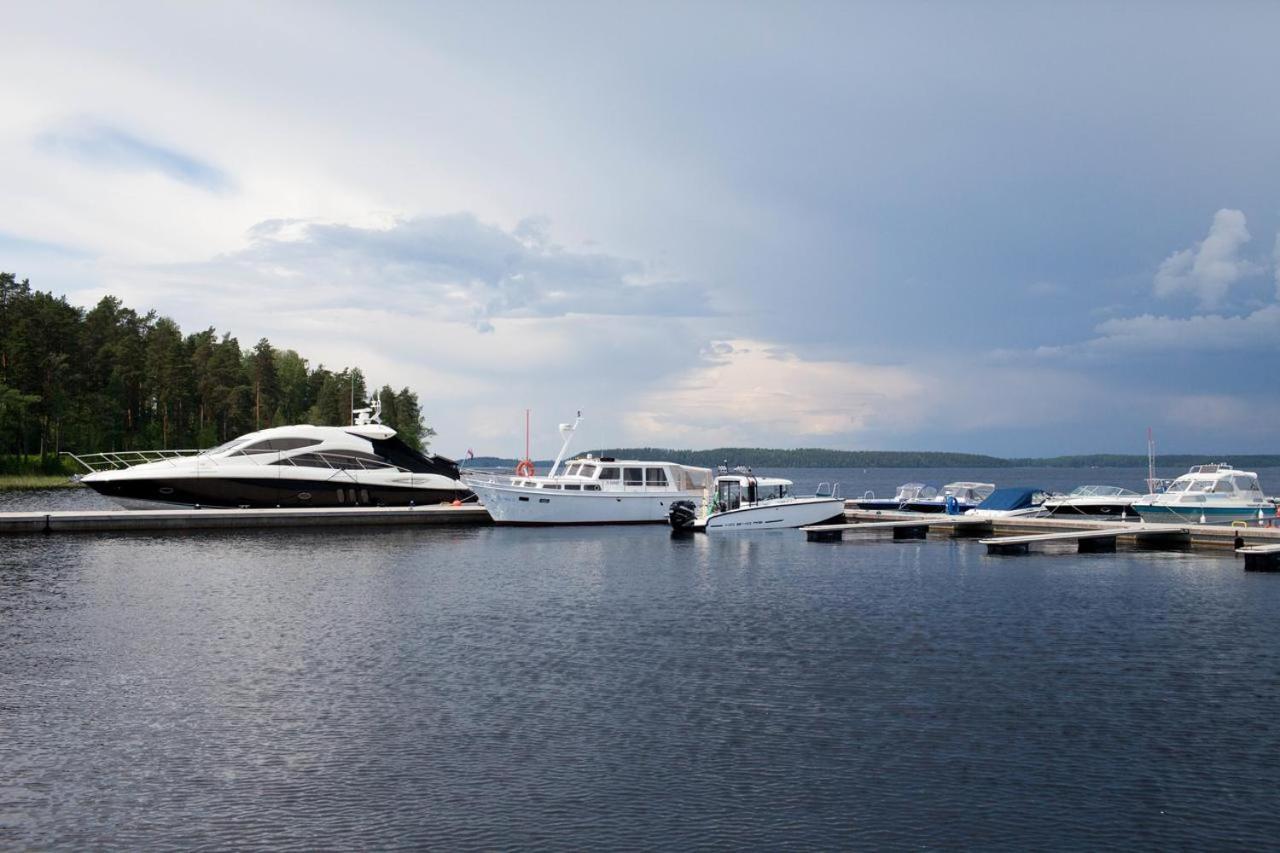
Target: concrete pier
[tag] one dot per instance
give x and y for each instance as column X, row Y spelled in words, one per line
column 238, row 519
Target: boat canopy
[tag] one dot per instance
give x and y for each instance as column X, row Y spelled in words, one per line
column 1014, row 497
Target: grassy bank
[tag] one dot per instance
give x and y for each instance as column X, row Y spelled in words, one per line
column 23, row 482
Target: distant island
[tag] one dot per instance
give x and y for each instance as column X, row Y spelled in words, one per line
column 814, row 457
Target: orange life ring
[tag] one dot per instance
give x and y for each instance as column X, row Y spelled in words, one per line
column 524, row 468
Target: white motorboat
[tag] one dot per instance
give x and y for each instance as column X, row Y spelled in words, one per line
column 953, row 498
column 1207, row 494
column 363, row 464
column 906, row 493
column 1012, row 502
column 589, row 490
column 1101, row 501
column 743, row 501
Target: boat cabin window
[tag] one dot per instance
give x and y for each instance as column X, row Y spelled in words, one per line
column 655, row 476
column 591, row 487
column 633, row 477
column 571, row 470
column 576, row 487
column 587, row 471
column 275, row 445
column 1247, row 484
column 729, row 494
column 609, row 474
column 223, row 448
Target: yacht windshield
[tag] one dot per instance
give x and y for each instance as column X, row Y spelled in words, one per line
column 223, row 448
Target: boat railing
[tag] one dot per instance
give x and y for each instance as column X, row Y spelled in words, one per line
column 832, row 490
column 868, row 495
column 117, row 460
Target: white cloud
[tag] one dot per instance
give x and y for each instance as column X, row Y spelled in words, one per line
column 756, row 391
column 1208, row 269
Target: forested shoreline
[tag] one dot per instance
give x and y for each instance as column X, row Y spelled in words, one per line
column 111, row 378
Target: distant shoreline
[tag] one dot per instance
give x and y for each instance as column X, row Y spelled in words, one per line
column 761, row 457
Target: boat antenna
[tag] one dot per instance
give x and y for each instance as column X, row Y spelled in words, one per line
column 566, row 432
column 1151, row 461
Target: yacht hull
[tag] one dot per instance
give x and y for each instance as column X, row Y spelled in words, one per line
column 1096, row 509
column 259, row 492
column 779, row 516
column 1191, row 514
column 515, row 505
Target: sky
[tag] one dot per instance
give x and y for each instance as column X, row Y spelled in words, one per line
column 1006, row 228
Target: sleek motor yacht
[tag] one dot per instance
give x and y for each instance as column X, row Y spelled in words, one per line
column 363, row 464
column 953, row 498
column 1207, row 494
column 1012, row 502
column 589, row 490
column 906, row 493
column 742, row 501
column 1106, row 501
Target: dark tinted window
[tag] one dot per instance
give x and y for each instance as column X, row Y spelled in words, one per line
column 275, row 445
column 634, row 477
column 655, row 476
column 609, row 474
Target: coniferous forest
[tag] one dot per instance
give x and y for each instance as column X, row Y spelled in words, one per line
column 109, row 378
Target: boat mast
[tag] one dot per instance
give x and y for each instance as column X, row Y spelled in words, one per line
column 1151, row 461
column 566, row 431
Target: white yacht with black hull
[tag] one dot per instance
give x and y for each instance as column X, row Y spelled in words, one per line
column 588, row 490
column 363, row 464
column 743, row 502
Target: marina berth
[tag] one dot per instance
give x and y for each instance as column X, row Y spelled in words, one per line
column 589, row 490
column 301, row 466
column 1208, row 494
column 742, row 501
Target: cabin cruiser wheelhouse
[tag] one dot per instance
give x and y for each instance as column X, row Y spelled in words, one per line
column 1207, row 494
column 742, row 501
column 589, row 490
column 1107, row 501
column 363, row 464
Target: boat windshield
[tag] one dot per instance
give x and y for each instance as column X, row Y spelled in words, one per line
column 1100, row 492
column 223, row 448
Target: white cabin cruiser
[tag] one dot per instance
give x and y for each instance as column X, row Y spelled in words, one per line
column 1102, row 501
column 1207, row 494
column 743, row 501
column 363, row 464
column 589, row 490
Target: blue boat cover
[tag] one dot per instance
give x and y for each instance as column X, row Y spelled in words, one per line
column 1014, row 497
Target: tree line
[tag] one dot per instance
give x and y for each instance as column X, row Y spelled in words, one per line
column 109, row 378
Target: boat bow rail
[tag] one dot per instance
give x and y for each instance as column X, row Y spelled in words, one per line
column 118, row 460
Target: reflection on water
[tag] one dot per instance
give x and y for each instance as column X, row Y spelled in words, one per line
column 607, row 687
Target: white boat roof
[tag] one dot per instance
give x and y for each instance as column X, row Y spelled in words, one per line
column 1215, row 471
column 760, row 481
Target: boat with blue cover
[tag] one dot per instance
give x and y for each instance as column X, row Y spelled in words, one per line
column 1012, row 502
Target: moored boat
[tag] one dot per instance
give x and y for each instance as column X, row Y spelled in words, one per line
column 906, row 493
column 363, row 464
column 953, row 498
column 1012, row 502
column 589, row 490
column 741, row 501
column 1101, row 501
column 1207, row 494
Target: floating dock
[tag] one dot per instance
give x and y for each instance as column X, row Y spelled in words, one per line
column 238, row 519
column 1260, row 546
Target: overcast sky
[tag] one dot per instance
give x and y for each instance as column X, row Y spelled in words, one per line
column 992, row 227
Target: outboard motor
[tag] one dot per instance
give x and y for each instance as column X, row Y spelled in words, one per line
column 682, row 515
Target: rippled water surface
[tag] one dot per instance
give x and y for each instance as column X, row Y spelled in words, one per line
column 588, row 688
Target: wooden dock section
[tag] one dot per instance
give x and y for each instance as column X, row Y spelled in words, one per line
column 238, row 519
column 1259, row 546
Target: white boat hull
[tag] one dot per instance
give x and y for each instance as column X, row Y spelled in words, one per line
column 776, row 516
column 515, row 505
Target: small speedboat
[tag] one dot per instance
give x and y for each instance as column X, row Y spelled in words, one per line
column 1104, row 501
column 953, row 498
column 1207, row 494
column 906, row 493
column 1012, row 502
column 742, row 501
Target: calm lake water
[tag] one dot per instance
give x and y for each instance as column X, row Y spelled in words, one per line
column 613, row 687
